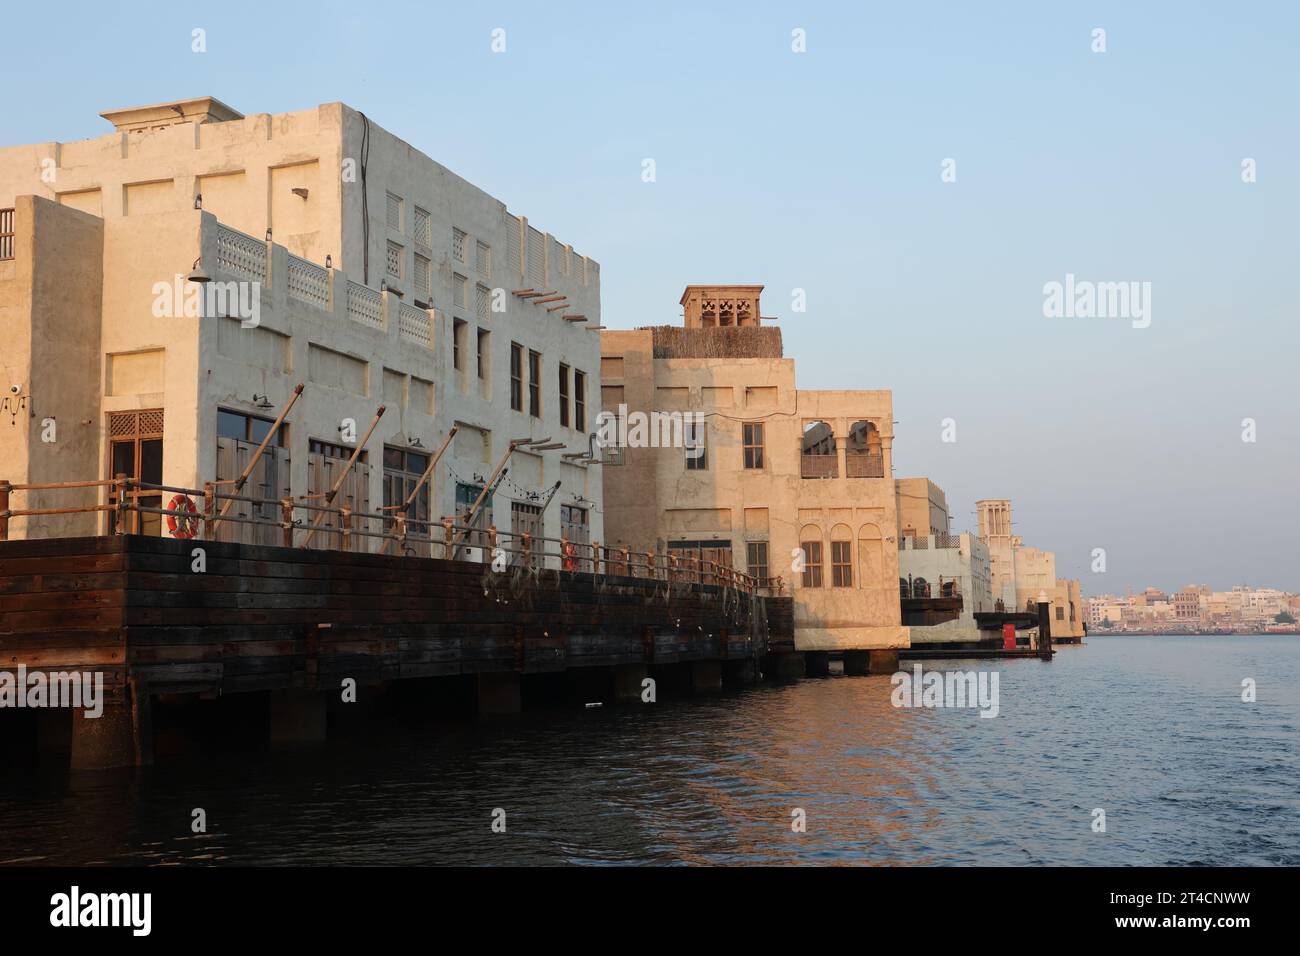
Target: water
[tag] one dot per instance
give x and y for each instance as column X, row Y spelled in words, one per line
column 1151, row 729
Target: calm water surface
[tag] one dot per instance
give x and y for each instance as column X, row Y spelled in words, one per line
column 1151, row 729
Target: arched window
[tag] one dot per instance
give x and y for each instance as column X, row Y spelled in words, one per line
column 810, row 542
column 864, row 455
column 841, row 556
column 920, row 588
column 819, row 456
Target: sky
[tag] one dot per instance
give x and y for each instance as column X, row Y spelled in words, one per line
column 824, row 171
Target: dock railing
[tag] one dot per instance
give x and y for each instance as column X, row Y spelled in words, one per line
column 195, row 514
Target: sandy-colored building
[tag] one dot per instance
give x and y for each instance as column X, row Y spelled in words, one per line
column 347, row 260
column 937, row 563
column 793, row 485
column 1023, row 576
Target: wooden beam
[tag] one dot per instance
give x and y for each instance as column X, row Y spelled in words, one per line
column 557, row 308
column 551, row 298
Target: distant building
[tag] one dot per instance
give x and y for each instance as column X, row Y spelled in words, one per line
column 1022, row 576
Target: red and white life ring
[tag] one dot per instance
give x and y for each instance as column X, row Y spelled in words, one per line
column 188, row 526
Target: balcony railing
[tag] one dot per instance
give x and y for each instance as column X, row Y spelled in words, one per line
column 820, row 466
column 864, row 465
column 6, row 233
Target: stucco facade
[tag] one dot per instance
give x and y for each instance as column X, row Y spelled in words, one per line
column 1023, row 575
column 823, row 524
column 382, row 278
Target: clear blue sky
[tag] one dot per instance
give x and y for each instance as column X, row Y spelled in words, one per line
column 821, row 171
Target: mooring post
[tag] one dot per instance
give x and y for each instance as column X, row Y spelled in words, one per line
column 1044, row 631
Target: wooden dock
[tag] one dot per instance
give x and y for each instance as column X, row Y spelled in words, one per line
column 274, row 619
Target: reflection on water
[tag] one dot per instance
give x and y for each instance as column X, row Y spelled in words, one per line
column 1152, row 730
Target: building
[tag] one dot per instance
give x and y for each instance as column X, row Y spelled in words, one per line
column 793, row 485
column 377, row 277
column 939, row 563
column 1024, row 576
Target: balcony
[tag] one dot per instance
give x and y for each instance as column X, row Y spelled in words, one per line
column 6, row 233
column 819, row 466
column 864, row 465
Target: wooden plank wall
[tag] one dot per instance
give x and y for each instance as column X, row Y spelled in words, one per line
column 264, row 618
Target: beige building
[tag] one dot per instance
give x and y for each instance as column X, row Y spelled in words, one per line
column 933, row 562
column 1023, row 576
column 346, row 260
column 793, row 485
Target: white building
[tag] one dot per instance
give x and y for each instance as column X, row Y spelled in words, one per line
column 380, row 277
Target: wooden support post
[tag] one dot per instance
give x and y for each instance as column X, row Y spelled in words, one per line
column 447, row 530
column 595, row 557
column 209, row 508
column 286, row 521
column 119, row 480
column 492, row 540
column 4, row 509
column 401, row 533
column 345, row 524
column 650, row 564
column 526, row 540
column 627, row 563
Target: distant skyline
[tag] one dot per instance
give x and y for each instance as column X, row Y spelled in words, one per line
column 822, row 171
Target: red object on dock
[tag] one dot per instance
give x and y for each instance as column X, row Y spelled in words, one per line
column 1008, row 637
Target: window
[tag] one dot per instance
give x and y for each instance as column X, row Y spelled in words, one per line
column 457, row 343
column 334, row 450
column 526, row 519
column 812, row 567
column 575, row 526
column 842, row 564
column 423, row 230
column 395, row 257
column 136, row 450
column 753, row 440
column 534, row 383
column 481, row 294
column 466, row 496
column 248, row 428
column 458, row 244
column 460, row 291
column 394, row 212
column 482, row 354
column 1060, row 614
column 696, row 453
column 516, row 376
column 580, row 401
column 564, row 394
column 423, row 277
column 403, row 469
column 756, row 559
column 483, row 259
